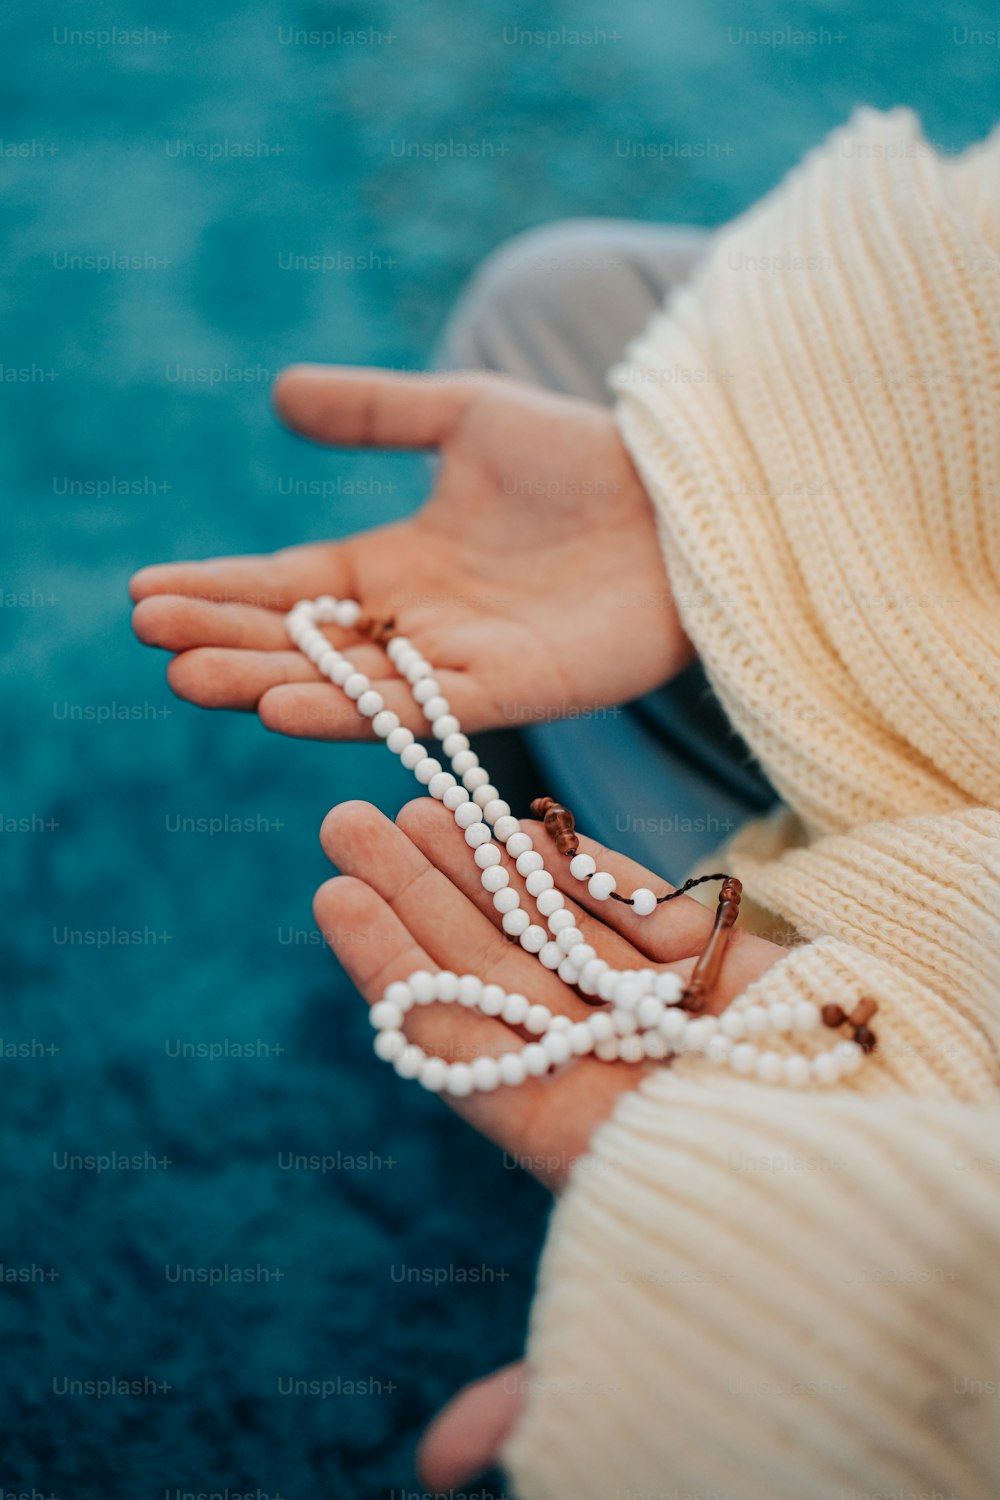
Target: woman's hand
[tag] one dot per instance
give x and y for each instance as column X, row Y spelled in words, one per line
column 410, row 898
column 532, row 577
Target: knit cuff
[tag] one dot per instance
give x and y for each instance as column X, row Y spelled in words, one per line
column 771, row 1296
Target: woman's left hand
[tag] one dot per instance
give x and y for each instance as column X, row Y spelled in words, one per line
column 410, row 898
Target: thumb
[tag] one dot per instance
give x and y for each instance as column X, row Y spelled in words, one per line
column 362, row 408
column 466, row 1437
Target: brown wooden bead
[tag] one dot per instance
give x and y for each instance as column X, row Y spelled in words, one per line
column 865, row 1039
column 833, row 1015
column 863, row 1012
column 558, row 822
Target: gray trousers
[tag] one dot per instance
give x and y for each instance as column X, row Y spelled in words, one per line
column 664, row 779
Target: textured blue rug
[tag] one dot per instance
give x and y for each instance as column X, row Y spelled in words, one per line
column 263, row 1271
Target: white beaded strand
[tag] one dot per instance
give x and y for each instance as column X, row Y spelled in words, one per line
column 644, row 1019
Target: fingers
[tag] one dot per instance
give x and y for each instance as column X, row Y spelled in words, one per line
column 271, row 581
column 466, row 1437
column 176, row 622
column 432, row 828
column 369, row 408
column 547, row 1122
column 316, row 710
column 213, row 677
column 672, row 932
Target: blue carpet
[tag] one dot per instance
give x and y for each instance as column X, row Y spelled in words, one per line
column 136, row 427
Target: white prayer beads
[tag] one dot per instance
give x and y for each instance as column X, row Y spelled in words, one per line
column 643, row 1019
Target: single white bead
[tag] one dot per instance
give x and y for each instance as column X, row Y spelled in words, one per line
column 581, row 1039
column 475, row 778
column 561, row 1023
column 447, row 985
column 422, row 986
column 625, row 1022
column 441, row 783
column 628, row 992
column 744, row 1058
column 386, row 1016
column 733, row 1026
column 434, row 1074
column 437, row 708
column 648, row 1012
column 324, row 607
column 667, row 987
column 806, row 1016
column 467, row 814
column 583, row 954
column 410, row 1061
column 464, row 761
column 492, row 999
column 356, row 684
column 443, row 726
column 672, row 1024
column 602, row 1028
column 476, row 834
column 781, row 1017
column 536, row 1060
column 569, row 938
column 518, row 844
column 557, row 1046
column 413, row 755
column 496, row 808
column 506, row 901
column 549, row 901
column 494, row 879
column 455, row 797
column 327, row 660
column 643, row 901
column 537, row 880
column 825, row 1068
column 849, row 1055
column 607, row 1051
column 530, row 861
column 397, row 646
column 512, row 1069
column 424, row 688
column 485, row 794
column 755, row 1020
column 457, row 744
column 515, row 923
column 419, row 671
column 504, row 827
column 769, row 1067
column 582, row 866
column 550, row 955
column 654, row 1045
column 719, row 1050
column 560, row 919
column 485, row 1074
column 385, row 722
column 567, row 971
column 459, row 1082
column 399, row 993
column 795, row 1071
column 340, row 672
column 601, row 885
column 370, row 703
column 470, row 988
column 486, row 855
column 515, row 1008
column 537, row 1020
column 698, row 1033
column 398, row 739
column 389, row 1044
column 426, row 769
column 534, row 938
column 347, row 612
column 632, row 1049
column 406, row 657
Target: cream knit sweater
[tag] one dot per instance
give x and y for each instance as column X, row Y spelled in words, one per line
column 751, row 1293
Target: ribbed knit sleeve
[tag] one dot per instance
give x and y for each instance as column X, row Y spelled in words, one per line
column 753, row 1292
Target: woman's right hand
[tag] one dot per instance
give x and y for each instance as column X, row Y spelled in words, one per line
column 532, row 578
